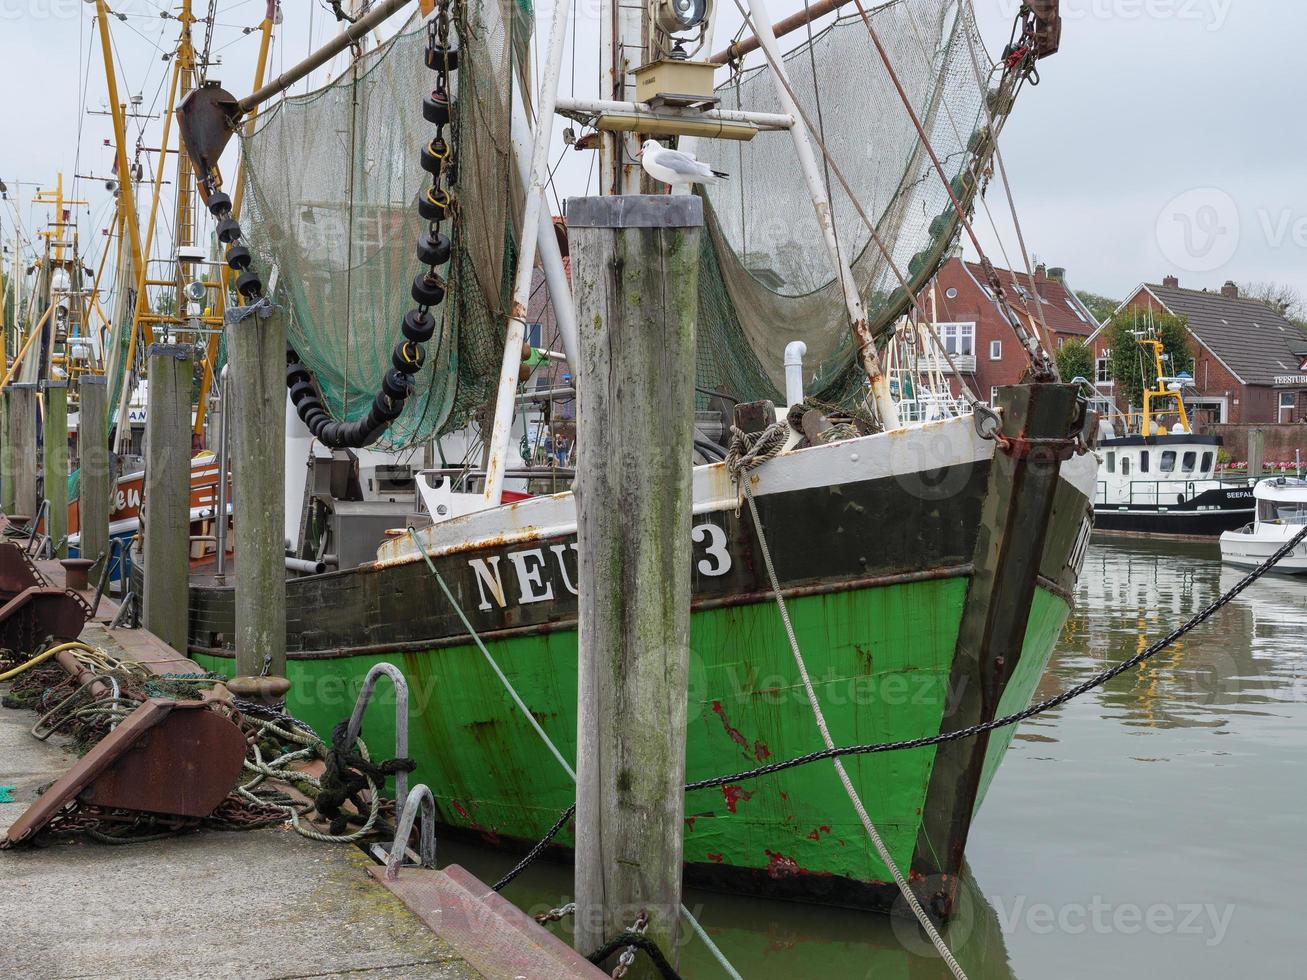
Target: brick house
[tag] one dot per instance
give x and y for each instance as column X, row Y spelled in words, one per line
column 1250, row 362
column 977, row 336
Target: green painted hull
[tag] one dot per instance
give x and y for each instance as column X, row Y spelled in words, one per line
column 926, row 598
column 881, row 659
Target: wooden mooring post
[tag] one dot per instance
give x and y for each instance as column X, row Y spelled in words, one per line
column 94, row 464
column 635, row 274
column 166, row 523
column 21, row 455
column 54, row 464
column 6, row 458
column 256, row 426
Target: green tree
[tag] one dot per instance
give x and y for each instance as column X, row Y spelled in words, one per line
column 1075, row 360
column 1131, row 365
column 1100, row 306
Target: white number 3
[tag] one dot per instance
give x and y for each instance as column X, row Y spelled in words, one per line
column 721, row 558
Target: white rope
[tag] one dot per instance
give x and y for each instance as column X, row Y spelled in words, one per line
column 549, row 743
column 867, row 825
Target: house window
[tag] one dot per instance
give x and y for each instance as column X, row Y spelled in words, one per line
column 1207, row 462
column 996, row 350
column 1076, row 310
column 1288, row 402
column 1061, row 341
column 1143, row 461
column 993, row 395
column 533, row 333
column 1111, row 462
column 951, row 293
column 959, row 339
column 1188, row 462
column 1168, row 461
column 1103, row 368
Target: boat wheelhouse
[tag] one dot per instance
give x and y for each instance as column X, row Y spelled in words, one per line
column 1168, row 484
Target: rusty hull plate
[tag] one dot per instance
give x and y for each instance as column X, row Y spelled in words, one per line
column 175, row 758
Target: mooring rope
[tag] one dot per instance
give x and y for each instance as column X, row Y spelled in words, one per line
column 540, row 846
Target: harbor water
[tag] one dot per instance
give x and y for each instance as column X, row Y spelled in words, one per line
column 1153, row 828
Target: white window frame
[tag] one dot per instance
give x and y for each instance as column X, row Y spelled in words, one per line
column 1103, row 368
column 996, row 350
column 957, row 336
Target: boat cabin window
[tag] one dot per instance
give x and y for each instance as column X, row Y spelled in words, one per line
column 1125, row 465
column 1189, row 461
column 1168, row 461
column 1207, row 463
column 1111, row 462
column 1282, row 512
column 1143, row 461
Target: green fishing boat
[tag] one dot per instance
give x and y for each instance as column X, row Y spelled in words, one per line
column 927, row 568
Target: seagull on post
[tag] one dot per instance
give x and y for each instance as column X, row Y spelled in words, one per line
column 676, row 168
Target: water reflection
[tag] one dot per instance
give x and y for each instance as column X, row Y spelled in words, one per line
column 785, row 939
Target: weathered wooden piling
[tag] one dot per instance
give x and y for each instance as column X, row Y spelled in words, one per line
column 1256, row 453
column 256, row 425
column 6, row 457
column 22, row 449
column 55, row 464
column 635, row 261
column 94, row 464
column 167, row 515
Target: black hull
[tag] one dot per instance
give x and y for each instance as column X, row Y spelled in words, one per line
column 1205, row 523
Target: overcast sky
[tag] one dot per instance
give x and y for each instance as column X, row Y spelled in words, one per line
column 1166, row 137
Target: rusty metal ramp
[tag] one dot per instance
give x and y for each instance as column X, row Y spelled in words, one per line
column 486, row 929
column 172, row 758
column 31, row 610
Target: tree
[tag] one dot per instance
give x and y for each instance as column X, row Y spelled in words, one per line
column 1100, row 306
column 1286, row 300
column 1075, row 360
column 1131, row 365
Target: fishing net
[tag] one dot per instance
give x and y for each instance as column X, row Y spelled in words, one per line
column 766, row 277
column 332, row 179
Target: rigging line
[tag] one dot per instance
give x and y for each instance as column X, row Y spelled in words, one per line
column 1007, row 189
column 970, row 396
column 957, row 132
column 1038, row 356
column 349, row 230
column 549, row 743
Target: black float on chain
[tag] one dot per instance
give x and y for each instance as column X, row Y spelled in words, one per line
column 433, row 249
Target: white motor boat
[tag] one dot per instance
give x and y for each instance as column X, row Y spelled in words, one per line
column 1281, row 514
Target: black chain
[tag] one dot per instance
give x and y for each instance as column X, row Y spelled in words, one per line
column 435, row 204
column 1097, row 680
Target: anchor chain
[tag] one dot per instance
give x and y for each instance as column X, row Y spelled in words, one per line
column 435, row 204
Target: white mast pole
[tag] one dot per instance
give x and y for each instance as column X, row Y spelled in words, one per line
column 526, row 258
column 551, row 256
column 762, row 29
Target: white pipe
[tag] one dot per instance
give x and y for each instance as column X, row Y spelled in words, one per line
column 794, row 352
column 812, row 176
column 551, row 256
column 601, row 107
column 501, row 431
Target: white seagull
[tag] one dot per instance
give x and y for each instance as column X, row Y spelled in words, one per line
column 675, row 167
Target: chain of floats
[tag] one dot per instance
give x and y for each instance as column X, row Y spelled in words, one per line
column 435, row 205
column 970, row 731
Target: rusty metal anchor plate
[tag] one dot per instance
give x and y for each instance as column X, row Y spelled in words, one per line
column 179, row 758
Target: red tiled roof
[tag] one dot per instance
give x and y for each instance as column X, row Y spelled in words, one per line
column 1062, row 310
